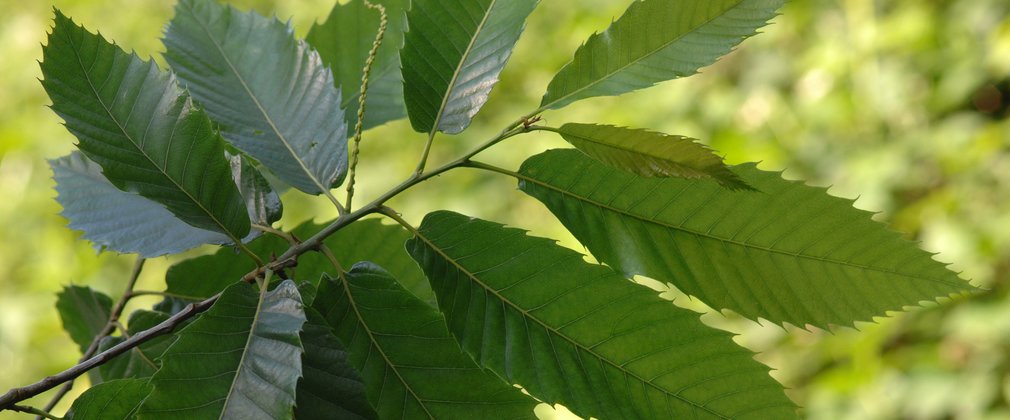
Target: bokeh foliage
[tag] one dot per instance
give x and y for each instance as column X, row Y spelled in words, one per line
column 902, row 103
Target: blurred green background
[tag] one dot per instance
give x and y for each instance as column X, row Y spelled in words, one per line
column 902, row 103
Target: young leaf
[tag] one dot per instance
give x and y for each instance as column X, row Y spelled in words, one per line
column 240, row 359
column 134, row 121
column 452, row 56
column 655, row 41
column 141, row 361
column 790, row 253
column 343, row 42
column 579, row 334
column 330, row 387
column 650, row 154
column 271, row 93
column 113, row 400
column 84, row 313
column 411, row 365
column 117, row 220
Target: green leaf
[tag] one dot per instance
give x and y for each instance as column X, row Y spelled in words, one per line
column 113, row 400
column 330, row 387
column 84, row 313
column 581, row 335
column 263, row 203
column 134, row 121
column 650, row 154
column 655, row 41
column 368, row 239
column 452, row 56
column 241, row 359
column 117, row 220
column 791, row 253
column 343, row 42
column 141, row 361
column 411, row 365
column 271, row 93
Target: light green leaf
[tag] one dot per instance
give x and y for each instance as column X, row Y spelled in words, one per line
column 650, row 154
column 84, row 313
column 452, row 56
column 140, row 361
column 343, row 42
column 581, row 335
column 241, row 359
column 790, row 253
column 134, row 121
column 330, row 387
column 117, row 220
column 655, row 41
column 271, row 93
column 411, row 365
column 113, row 400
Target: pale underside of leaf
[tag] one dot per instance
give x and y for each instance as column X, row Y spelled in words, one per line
column 411, row 366
column 117, row 220
column 272, row 94
column 650, row 154
column 655, row 41
column 240, row 359
column 580, row 334
column 790, row 253
column 344, row 41
column 134, row 121
column 453, row 54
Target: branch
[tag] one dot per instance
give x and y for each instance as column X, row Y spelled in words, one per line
column 17, row 395
column 107, row 330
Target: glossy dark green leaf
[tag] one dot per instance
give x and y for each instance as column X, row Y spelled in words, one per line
column 343, row 42
column 581, row 335
column 271, row 93
column 650, row 154
column 84, row 313
column 144, row 131
column 655, row 41
column 452, row 56
column 241, row 359
column 113, row 400
column 411, row 365
column 330, row 387
column 791, row 253
column 117, row 220
column 141, row 361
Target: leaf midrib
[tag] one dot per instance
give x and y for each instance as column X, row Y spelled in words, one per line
column 459, row 68
column 607, row 76
column 252, row 96
column 245, row 350
column 730, row 241
column 375, row 343
column 556, row 332
column 105, row 107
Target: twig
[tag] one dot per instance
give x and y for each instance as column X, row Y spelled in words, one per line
column 35, row 411
column 383, row 21
column 20, row 394
column 107, row 330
